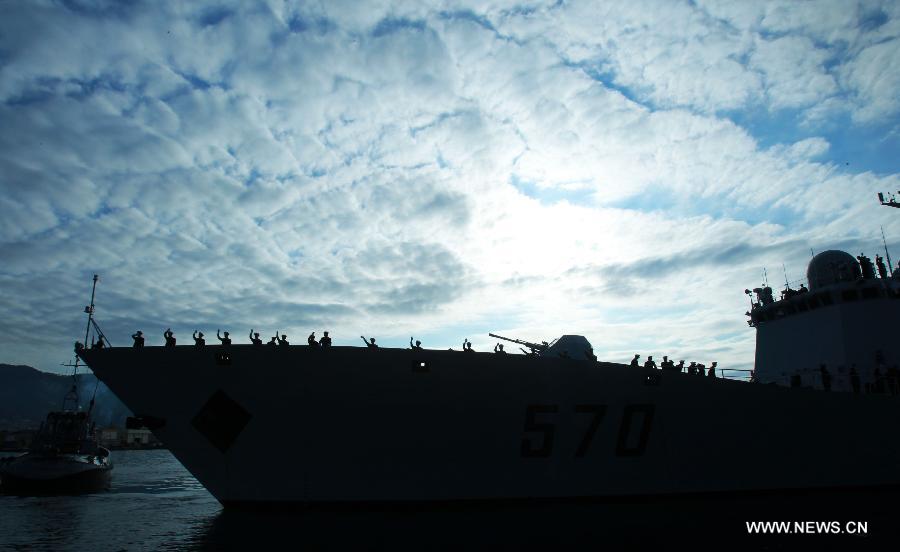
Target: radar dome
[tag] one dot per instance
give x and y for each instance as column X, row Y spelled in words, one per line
column 830, row 267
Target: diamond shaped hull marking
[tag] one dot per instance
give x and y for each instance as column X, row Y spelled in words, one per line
column 221, row 420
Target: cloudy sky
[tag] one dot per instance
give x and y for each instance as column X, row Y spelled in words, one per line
column 621, row 170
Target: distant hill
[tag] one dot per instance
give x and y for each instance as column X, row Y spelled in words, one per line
column 27, row 394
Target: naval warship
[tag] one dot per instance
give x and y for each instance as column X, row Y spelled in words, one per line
column 383, row 425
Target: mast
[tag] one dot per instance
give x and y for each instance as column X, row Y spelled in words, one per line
column 891, row 202
column 90, row 312
column 887, row 253
column 72, row 395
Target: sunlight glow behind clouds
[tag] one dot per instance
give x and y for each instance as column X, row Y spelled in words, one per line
column 298, row 167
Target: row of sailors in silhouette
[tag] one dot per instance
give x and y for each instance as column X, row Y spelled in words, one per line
column 884, row 382
column 498, row 348
column 693, row 369
column 764, row 294
column 865, row 265
column 467, row 345
column 866, row 271
column 225, row 339
column 888, row 383
column 325, row 341
column 789, row 292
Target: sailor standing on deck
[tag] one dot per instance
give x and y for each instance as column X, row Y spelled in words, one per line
column 882, row 269
column 370, row 343
column 198, row 339
column 650, row 364
column 170, row 337
column 418, row 344
column 854, row 379
column 893, row 375
column 634, row 361
column 879, row 381
column 826, row 377
column 311, row 340
column 254, row 338
column 225, row 340
column 138, row 338
column 325, row 341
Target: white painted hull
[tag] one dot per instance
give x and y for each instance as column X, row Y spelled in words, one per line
column 43, row 473
column 50, row 467
column 356, row 425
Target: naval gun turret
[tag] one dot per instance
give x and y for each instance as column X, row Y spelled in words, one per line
column 575, row 347
column 534, row 348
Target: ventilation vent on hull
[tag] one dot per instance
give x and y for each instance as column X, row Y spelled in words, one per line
column 221, row 420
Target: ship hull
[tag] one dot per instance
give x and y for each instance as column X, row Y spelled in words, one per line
column 347, row 425
column 53, row 474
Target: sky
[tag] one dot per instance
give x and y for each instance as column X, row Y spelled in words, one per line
column 619, row 170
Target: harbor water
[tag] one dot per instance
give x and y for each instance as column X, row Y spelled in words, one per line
column 155, row 504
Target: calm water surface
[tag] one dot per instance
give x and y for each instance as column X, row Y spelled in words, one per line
column 155, row 504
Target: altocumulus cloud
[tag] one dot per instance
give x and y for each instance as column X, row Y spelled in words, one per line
column 618, row 169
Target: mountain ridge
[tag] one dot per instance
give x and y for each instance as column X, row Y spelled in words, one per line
column 28, row 394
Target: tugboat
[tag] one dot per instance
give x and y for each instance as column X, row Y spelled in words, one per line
column 65, row 456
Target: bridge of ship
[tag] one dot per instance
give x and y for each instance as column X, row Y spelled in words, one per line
column 860, row 290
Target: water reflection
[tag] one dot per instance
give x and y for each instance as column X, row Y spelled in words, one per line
column 155, row 504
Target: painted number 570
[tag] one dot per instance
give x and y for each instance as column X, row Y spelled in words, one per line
column 540, row 429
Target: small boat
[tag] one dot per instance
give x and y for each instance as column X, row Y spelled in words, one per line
column 65, row 456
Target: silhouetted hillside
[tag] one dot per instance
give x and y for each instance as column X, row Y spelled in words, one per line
column 27, row 394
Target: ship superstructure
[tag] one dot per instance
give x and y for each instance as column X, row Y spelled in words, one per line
column 844, row 326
